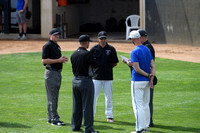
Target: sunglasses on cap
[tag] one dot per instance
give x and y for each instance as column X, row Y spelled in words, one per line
column 102, row 38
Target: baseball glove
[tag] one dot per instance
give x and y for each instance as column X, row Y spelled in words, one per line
column 155, row 80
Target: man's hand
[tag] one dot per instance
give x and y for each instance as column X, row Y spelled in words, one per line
column 151, row 76
column 129, row 63
column 123, row 61
column 63, row 59
column 21, row 11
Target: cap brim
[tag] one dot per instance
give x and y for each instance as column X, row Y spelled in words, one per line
column 102, row 36
column 133, row 37
column 144, row 35
column 56, row 33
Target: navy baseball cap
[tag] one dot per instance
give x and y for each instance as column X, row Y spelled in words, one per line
column 54, row 31
column 142, row 32
column 102, row 34
column 84, row 38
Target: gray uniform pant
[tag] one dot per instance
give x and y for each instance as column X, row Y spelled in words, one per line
column 83, row 97
column 52, row 84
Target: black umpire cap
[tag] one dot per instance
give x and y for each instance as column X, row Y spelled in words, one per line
column 84, row 38
column 54, row 31
column 142, row 32
column 102, row 34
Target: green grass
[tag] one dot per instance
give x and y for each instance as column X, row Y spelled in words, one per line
column 23, row 97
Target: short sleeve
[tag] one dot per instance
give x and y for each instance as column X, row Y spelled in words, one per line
column 115, row 58
column 134, row 57
column 45, row 52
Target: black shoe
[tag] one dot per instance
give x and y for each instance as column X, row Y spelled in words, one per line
column 49, row 121
column 74, row 130
column 58, row 123
column 151, row 125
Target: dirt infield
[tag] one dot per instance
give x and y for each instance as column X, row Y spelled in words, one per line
column 169, row 51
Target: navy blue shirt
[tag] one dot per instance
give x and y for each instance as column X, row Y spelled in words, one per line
column 105, row 58
column 52, row 50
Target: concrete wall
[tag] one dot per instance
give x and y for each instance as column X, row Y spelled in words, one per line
column 173, row 21
column 47, row 11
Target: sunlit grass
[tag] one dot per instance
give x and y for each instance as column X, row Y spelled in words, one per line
column 23, row 97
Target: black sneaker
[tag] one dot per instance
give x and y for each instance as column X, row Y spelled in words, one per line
column 58, row 123
column 75, row 130
column 49, row 121
column 151, row 125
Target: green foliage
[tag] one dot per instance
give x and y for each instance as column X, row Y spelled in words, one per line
column 23, row 97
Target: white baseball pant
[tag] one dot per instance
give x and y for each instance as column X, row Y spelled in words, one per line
column 140, row 92
column 107, row 87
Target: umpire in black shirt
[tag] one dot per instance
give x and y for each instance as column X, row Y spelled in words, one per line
column 53, row 61
column 146, row 43
column 83, row 87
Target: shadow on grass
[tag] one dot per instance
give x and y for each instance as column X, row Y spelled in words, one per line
column 105, row 127
column 13, row 125
column 178, row 128
column 117, row 122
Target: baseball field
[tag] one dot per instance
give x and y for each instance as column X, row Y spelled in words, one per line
column 169, row 51
column 23, row 97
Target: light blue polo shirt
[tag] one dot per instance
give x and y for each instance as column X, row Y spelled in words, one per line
column 142, row 55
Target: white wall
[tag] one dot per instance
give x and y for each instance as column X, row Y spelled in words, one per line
column 46, row 17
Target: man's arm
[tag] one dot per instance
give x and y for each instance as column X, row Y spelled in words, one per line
column 114, row 57
column 152, row 74
column 153, row 69
column 25, row 4
column 139, row 70
column 92, row 60
column 62, row 59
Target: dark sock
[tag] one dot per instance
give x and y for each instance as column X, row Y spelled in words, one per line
column 25, row 34
column 20, row 34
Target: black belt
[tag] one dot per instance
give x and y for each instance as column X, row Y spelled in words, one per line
column 53, row 69
column 82, row 76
